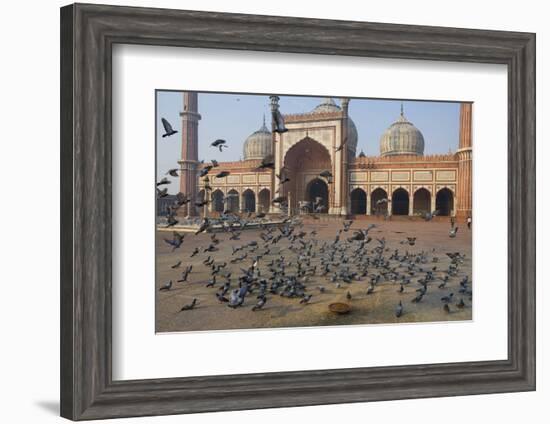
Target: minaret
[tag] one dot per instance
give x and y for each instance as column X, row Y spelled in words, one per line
column 345, row 201
column 189, row 150
column 274, row 105
column 464, row 193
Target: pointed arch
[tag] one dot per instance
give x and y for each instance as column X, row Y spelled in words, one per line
column 217, row 201
column 444, row 202
column 307, row 153
column 233, row 201
column 249, row 201
column 400, row 202
column 358, row 201
column 379, row 201
column 304, row 159
column 264, row 200
column 422, row 201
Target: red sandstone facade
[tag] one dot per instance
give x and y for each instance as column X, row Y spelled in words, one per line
column 412, row 184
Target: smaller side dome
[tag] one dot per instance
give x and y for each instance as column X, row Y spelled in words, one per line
column 259, row 144
column 402, row 138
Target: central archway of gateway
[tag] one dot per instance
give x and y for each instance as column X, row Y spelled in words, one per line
column 318, row 189
column 302, row 164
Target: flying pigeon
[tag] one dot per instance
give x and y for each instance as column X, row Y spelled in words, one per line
column 168, row 130
column 222, row 174
column 219, row 143
column 267, row 163
column 279, row 122
column 282, row 179
column 176, row 240
column 164, row 181
column 341, row 146
column 173, row 172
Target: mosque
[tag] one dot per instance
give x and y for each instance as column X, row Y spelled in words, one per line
column 401, row 180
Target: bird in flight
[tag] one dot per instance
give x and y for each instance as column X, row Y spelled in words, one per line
column 219, row 143
column 222, row 174
column 282, row 178
column 173, row 172
column 175, row 241
column 267, row 163
column 279, row 122
column 163, row 192
column 341, row 146
column 164, row 181
column 168, row 130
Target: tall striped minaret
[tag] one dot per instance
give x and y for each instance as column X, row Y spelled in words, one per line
column 189, row 161
column 464, row 194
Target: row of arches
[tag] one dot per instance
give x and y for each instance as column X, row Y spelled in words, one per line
column 245, row 202
column 400, row 202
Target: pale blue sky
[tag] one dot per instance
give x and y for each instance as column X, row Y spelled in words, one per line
column 235, row 116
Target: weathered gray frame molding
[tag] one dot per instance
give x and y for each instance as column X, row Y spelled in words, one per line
column 88, row 33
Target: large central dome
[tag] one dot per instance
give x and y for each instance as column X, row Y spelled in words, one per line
column 402, row 138
column 328, row 106
column 259, row 144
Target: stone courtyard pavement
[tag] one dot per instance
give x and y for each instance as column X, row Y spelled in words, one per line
column 378, row 307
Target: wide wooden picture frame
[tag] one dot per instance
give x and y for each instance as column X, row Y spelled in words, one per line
column 88, row 34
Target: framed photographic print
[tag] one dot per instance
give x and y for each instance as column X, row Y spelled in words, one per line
column 264, row 212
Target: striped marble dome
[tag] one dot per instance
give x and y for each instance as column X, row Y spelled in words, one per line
column 402, row 138
column 328, row 105
column 258, row 145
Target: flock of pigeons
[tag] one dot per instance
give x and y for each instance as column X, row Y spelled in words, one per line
column 292, row 263
column 289, row 262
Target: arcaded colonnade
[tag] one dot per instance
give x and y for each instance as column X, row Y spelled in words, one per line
column 377, row 201
column 400, row 185
column 237, row 200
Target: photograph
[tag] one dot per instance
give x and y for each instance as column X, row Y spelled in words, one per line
column 282, row 210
